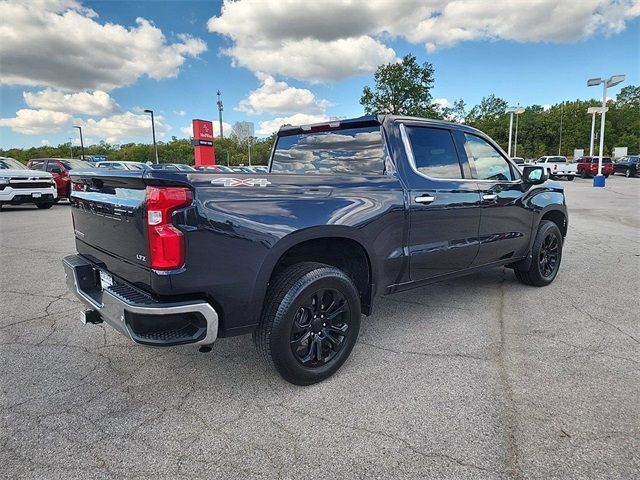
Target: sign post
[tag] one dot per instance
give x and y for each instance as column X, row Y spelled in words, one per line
column 203, row 142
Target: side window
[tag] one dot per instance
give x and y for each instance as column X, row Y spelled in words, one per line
column 490, row 165
column 53, row 166
column 434, row 152
column 37, row 165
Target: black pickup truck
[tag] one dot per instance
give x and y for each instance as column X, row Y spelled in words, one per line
column 349, row 210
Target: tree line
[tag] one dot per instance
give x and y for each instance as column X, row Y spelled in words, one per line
column 229, row 151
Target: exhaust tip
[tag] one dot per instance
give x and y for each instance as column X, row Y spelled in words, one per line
column 205, row 349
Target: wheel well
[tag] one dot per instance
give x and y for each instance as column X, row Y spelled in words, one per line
column 558, row 218
column 343, row 253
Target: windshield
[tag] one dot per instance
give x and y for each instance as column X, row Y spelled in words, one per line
column 72, row 164
column 8, row 163
column 348, row 151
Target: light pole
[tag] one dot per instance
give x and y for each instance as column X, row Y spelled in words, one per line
column 598, row 180
column 70, row 147
column 81, row 141
column 593, row 111
column 512, row 110
column 515, row 140
column 153, row 131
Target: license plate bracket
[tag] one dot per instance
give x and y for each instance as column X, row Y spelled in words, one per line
column 36, row 195
column 106, row 280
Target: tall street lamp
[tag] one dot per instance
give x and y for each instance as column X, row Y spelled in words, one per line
column 153, row 131
column 598, row 180
column 593, row 111
column 81, row 141
column 512, row 110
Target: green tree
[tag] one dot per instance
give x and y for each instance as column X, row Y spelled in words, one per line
column 401, row 88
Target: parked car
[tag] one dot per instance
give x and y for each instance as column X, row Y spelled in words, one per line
column 19, row 185
column 556, row 166
column 122, row 165
column 588, row 166
column 519, row 161
column 60, row 169
column 214, row 168
column 351, row 209
column 628, row 165
column 182, row 167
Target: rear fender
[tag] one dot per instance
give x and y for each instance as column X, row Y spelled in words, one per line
column 296, row 238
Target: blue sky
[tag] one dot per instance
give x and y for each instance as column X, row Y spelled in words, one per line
column 522, row 63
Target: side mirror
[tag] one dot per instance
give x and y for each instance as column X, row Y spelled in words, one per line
column 534, row 175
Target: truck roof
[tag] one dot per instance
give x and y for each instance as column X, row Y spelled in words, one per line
column 367, row 120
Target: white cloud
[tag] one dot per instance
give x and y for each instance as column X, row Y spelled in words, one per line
column 442, row 102
column 188, row 130
column 267, row 127
column 124, row 126
column 333, row 39
column 279, row 97
column 180, row 113
column 36, row 122
column 44, row 142
column 92, row 103
column 60, row 43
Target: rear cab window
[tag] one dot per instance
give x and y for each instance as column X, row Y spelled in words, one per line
column 434, row 152
column 345, row 151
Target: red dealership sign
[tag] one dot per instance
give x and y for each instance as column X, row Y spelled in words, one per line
column 203, row 142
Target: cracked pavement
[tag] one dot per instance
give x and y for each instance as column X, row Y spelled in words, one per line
column 479, row 377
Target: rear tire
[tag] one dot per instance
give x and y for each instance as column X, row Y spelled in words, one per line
column 570, row 178
column 310, row 322
column 546, row 256
column 44, row 205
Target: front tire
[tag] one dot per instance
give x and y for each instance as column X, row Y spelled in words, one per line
column 583, row 174
column 627, row 173
column 310, row 322
column 546, row 256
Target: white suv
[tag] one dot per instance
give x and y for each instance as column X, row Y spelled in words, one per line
column 20, row 185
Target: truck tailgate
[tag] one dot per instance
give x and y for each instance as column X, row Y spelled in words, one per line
column 108, row 209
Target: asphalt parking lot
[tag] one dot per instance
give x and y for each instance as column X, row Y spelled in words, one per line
column 480, row 377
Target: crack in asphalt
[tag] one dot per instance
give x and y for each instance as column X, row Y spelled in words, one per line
column 425, row 354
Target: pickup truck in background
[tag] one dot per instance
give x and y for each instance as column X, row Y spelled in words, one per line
column 588, row 166
column 19, row 185
column 349, row 210
column 557, row 167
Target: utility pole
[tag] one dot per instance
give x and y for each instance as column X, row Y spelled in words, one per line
column 220, row 108
column 561, row 119
column 70, row 148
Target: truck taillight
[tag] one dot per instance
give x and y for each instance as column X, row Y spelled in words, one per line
column 166, row 242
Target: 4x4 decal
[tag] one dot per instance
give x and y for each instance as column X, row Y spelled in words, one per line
column 241, row 182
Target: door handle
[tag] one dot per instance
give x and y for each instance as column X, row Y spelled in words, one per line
column 490, row 197
column 425, row 199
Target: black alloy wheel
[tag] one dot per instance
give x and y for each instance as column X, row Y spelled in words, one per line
column 320, row 327
column 549, row 254
column 309, row 323
column 546, row 255
column 627, row 173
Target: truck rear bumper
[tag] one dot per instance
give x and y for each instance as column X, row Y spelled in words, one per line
column 137, row 315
